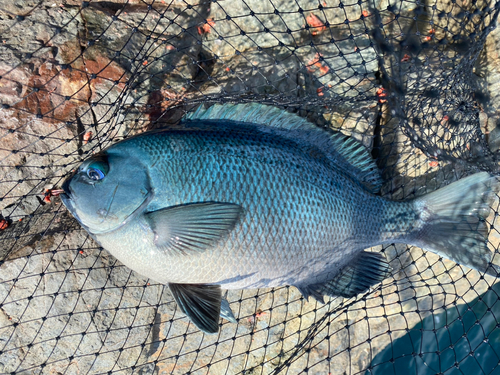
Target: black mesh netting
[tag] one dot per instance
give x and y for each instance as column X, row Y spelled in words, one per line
column 417, row 82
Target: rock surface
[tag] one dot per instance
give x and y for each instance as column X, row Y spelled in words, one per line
column 76, row 76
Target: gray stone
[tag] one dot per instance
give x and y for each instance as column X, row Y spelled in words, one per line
column 68, row 304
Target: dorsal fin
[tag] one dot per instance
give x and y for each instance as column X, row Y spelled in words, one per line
column 357, row 156
column 252, row 113
column 344, row 151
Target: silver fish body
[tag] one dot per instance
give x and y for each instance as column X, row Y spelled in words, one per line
column 228, row 202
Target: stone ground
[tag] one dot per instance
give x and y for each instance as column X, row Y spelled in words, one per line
column 112, row 69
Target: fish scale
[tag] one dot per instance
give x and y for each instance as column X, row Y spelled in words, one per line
column 288, row 230
column 250, row 196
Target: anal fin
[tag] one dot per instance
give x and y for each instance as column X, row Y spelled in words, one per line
column 359, row 275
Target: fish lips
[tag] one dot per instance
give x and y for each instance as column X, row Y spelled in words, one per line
column 67, row 201
column 66, row 196
column 65, row 185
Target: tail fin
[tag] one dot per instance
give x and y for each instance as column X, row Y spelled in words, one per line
column 452, row 221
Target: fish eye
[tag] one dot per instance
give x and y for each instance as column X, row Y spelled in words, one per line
column 95, row 174
column 97, row 170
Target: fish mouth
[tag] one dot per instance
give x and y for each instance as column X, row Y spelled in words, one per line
column 65, row 185
column 66, row 196
column 68, row 202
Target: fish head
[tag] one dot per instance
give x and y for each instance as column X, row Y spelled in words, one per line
column 107, row 191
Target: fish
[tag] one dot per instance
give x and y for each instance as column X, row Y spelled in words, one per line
column 243, row 196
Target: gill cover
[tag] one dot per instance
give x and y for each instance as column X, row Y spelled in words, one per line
column 107, row 190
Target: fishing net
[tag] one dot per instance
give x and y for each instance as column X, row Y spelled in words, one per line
column 415, row 81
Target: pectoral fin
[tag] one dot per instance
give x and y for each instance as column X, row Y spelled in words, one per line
column 201, row 303
column 192, row 227
column 366, row 270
